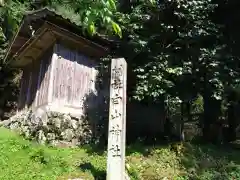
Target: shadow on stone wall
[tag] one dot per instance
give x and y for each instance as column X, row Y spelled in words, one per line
column 96, row 105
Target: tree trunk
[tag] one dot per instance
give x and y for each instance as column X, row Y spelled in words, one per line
column 188, row 111
column 181, row 126
column 232, row 122
column 212, row 111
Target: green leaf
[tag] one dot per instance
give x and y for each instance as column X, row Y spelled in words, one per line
column 92, row 29
column 112, row 4
column 152, row 2
column 117, row 29
column 2, row 2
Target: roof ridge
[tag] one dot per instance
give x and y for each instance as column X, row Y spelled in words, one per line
column 38, row 10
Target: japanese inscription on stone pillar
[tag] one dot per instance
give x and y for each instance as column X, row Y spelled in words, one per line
column 117, row 120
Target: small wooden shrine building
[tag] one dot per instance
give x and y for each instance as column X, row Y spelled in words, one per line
column 59, row 65
column 59, row 71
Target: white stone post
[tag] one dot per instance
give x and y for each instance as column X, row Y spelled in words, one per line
column 117, row 120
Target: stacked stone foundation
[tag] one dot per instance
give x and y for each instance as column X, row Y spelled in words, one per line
column 54, row 128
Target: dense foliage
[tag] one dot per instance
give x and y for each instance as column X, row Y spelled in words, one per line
column 180, row 50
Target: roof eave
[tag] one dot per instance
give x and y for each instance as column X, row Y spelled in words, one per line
column 33, row 15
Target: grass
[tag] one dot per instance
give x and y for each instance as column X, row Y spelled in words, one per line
column 24, row 160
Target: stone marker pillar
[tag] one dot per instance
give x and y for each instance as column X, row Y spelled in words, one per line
column 117, row 121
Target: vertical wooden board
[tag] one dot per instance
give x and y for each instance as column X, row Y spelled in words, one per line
column 61, row 80
column 35, row 71
column 39, row 83
column 44, row 87
column 42, row 83
column 64, row 76
column 61, row 96
column 75, row 81
column 55, row 77
column 52, row 70
column 44, row 78
column 79, row 80
column 72, row 77
column 29, row 87
column 24, row 87
column 20, row 94
column 56, row 74
column 117, row 121
column 80, row 77
column 49, row 67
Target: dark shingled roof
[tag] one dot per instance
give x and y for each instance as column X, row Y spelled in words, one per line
column 34, row 20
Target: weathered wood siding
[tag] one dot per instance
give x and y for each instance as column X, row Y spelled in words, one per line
column 62, row 77
column 43, row 78
column 35, row 81
column 74, row 77
column 24, row 88
column 35, row 66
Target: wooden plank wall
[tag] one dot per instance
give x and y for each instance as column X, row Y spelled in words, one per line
column 35, row 81
column 24, row 88
column 74, row 77
column 43, row 78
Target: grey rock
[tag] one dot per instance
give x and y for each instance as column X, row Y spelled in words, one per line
column 51, row 127
column 54, row 142
column 5, row 123
column 57, row 122
column 75, row 118
column 36, row 121
column 25, row 121
column 41, row 137
column 74, row 124
column 28, row 114
column 44, row 121
column 14, row 125
column 27, row 132
column 68, row 134
column 54, row 114
column 75, row 142
column 51, row 136
column 66, row 123
column 66, row 117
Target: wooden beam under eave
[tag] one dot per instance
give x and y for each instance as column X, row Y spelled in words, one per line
column 23, row 63
column 22, row 38
column 34, row 47
column 82, row 47
column 34, row 55
column 31, row 42
column 94, row 48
